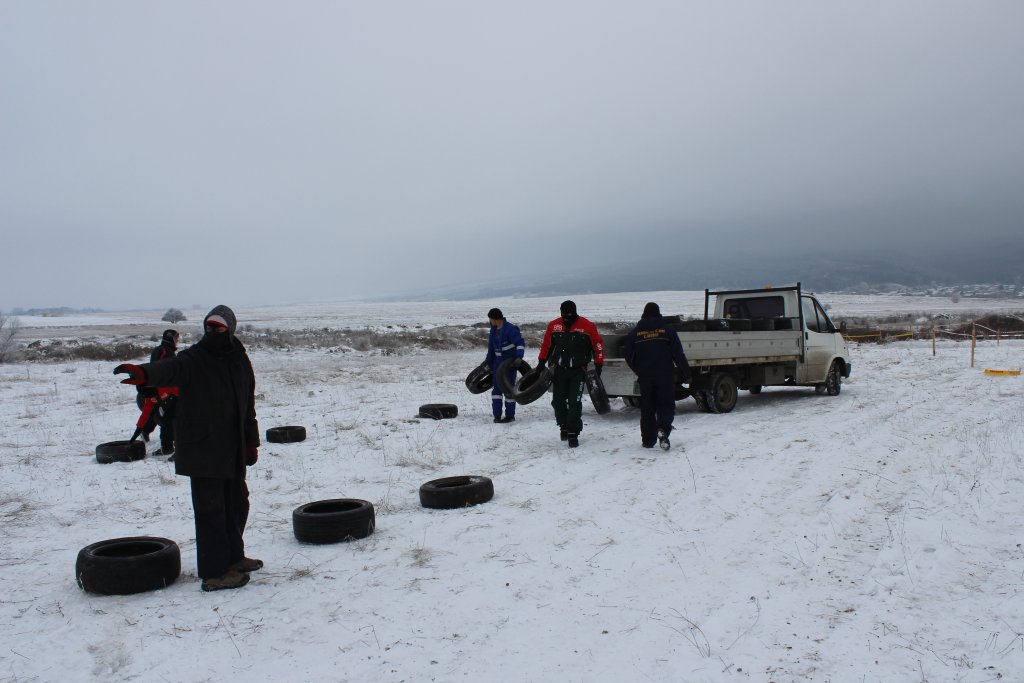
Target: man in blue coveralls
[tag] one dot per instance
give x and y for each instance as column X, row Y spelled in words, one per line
column 503, row 342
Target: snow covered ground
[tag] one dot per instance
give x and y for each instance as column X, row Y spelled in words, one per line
column 619, row 307
column 873, row 536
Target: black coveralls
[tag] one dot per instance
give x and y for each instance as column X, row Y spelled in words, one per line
column 651, row 349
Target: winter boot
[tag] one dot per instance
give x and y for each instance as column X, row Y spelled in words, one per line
column 507, row 419
column 663, row 439
column 562, row 434
column 572, row 439
column 246, row 565
column 231, row 579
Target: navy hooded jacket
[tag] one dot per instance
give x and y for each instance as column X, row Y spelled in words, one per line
column 652, row 347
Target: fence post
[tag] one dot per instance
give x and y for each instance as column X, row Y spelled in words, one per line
column 974, row 338
column 933, row 339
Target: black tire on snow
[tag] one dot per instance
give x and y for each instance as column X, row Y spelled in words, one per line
column 520, row 365
column 456, row 492
column 123, row 566
column 480, row 379
column 721, row 396
column 531, row 387
column 598, row 394
column 333, row 521
column 701, row 399
column 120, row 451
column 438, row 411
column 631, row 401
column 286, row 434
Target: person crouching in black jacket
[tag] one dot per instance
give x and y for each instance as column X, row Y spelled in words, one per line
column 217, row 437
column 651, row 349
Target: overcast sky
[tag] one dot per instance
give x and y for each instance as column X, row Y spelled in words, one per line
column 160, row 154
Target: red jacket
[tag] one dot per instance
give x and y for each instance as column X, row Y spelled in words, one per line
column 574, row 347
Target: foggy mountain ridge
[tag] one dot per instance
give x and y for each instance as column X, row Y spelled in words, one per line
column 998, row 269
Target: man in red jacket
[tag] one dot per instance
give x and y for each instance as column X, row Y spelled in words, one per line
column 570, row 342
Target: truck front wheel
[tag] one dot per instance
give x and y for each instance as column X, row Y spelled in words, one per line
column 834, row 379
column 721, row 397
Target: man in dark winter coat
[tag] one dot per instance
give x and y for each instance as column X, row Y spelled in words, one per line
column 217, row 437
column 570, row 342
column 503, row 342
column 651, row 349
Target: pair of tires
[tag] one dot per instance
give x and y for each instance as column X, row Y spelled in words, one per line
column 334, row 521
column 527, row 388
column 456, row 492
column 123, row 566
column 286, row 434
column 120, row 451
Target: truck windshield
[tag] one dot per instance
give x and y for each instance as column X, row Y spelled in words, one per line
column 755, row 307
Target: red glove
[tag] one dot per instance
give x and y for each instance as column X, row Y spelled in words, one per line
column 252, row 454
column 136, row 375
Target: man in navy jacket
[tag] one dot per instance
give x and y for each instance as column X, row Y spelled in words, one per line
column 503, row 342
column 651, row 350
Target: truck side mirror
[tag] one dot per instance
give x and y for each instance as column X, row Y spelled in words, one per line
column 842, row 327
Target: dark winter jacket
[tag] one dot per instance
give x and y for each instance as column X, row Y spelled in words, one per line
column 216, row 413
column 652, row 347
column 504, row 343
column 572, row 344
column 165, row 350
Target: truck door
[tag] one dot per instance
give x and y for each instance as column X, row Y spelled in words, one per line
column 819, row 342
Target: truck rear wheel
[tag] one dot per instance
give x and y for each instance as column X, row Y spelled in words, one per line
column 631, row 401
column 722, row 396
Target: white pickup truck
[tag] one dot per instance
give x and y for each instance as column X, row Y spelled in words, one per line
column 752, row 338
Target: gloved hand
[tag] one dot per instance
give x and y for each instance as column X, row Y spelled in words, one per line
column 136, row 375
column 598, row 368
column 252, row 454
column 541, row 362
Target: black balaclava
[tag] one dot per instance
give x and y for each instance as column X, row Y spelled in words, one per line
column 568, row 310
column 219, row 342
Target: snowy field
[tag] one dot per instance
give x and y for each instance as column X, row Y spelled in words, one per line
column 871, row 537
column 621, row 307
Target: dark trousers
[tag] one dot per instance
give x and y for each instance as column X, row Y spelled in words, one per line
column 167, row 427
column 567, row 388
column 221, row 509
column 657, row 406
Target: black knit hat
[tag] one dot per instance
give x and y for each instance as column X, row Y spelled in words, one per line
column 495, row 314
column 651, row 310
column 568, row 308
